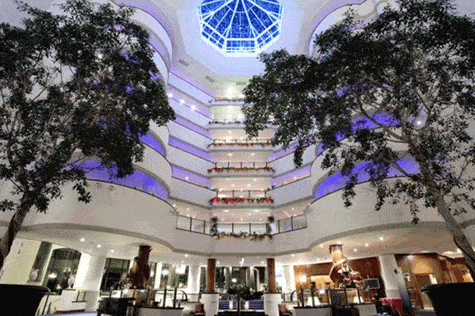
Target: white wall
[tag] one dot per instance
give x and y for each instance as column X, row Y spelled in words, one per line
column 188, row 161
column 20, row 260
column 189, row 136
column 186, row 191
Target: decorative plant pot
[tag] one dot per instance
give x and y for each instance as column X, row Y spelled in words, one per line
column 21, row 300
column 451, row 299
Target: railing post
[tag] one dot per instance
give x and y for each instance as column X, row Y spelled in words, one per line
column 233, row 193
column 229, row 164
column 253, row 165
column 250, row 230
column 216, row 165
column 232, row 228
column 278, row 225
column 292, row 222
column 249, row 194
column 191, row 223
column 241, row 164
column 204, row 227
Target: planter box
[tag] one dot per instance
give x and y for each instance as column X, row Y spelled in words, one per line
column 452, row 298
column 21, row 300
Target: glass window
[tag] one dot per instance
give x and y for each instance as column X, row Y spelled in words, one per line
column 113, row 270
column 62, row 269
column 240, row 27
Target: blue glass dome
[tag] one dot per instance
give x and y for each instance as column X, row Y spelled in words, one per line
column 240, row 27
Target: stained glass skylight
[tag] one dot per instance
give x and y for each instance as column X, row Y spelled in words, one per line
column 240, row 28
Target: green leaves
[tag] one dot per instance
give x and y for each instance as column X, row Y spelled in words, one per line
column 401, row 85
column 75, row 85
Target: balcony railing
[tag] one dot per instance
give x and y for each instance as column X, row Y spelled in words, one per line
column 226, row 122
column 263, row 142
column 235, row 197
column 280, row 226
column 241, row 193
column 223, row 99
column 240, row 167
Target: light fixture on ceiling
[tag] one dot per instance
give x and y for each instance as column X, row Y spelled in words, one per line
column 230, row 154
column 381, row 238
column 193, row 107
column 233, row 185
column 255, row 211
column 355, row 249
column 292, row 255
column 366, row 245
column 186, row 256
column 339, row 242
column 99, row 246
column 170, row 95
column 182, row 101
column 321, row 245
column 112, row 250
column 225, row 211
column 82, row 239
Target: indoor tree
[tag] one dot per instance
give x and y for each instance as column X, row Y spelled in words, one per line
column 398, row 88
column 75, row 86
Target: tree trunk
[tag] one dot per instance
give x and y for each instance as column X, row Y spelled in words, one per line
column 458, row 235
column 14, row 227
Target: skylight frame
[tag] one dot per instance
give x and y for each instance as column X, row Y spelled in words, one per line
column 262, row 23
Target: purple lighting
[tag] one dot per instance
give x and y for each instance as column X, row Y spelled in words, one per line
column 185, row 175
column 336, row 181
column 172, row 141
column 138, row 180
column 153, row 143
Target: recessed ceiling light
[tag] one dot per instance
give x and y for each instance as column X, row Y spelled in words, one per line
column 418, row 122
column 366, row 245
column 174, row 205
column 253, row 154
column 255, row 180
column 255, row 211
column 182, row 101
column 233, row 185
column 241, row 218
column 230, row 154
column 99, row 246
column 321, row 246
column 292, row 255
column 248, row 185
column 170, row 95
column 218, row 262
column 112, row 250
column 355, row 250
column 229, row 132
column 193, row 107
column 225, row 211
column 248, row 213
column 182, row 261
column 339, row 242
column 295, row 178
column 187, row 208
column 381, row 238
column 82, row 239
column 293, row 208
column 186, row 256
column 241, row 196
column 186, row 178
column 262, row 262
column 260, row 219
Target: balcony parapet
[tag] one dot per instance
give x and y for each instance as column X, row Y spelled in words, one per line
column 256, row 142
column 241, row 167
column 285, row 225
column 241, row 200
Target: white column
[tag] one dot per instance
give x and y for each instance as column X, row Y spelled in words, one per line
column 289, row 278
column 20, row 260
column 158, row 275
column 89, row 277
column 388, row 264
column 271, row 303
column 211, row 303
column 193, row 289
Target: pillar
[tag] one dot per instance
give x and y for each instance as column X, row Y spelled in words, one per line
column 289, row 278
column 193, row 288
column 227, row 277
column 89, row 277
column 210, row 299
column 210, row 275
column 271, row 286
column 158, row 276
column 388, row 265
column 172, row 276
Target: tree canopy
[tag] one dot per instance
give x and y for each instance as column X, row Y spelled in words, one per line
column 74, row 86
column 400, row 87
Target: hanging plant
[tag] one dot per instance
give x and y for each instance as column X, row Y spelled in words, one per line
column 214, row 226
column 251, row 236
